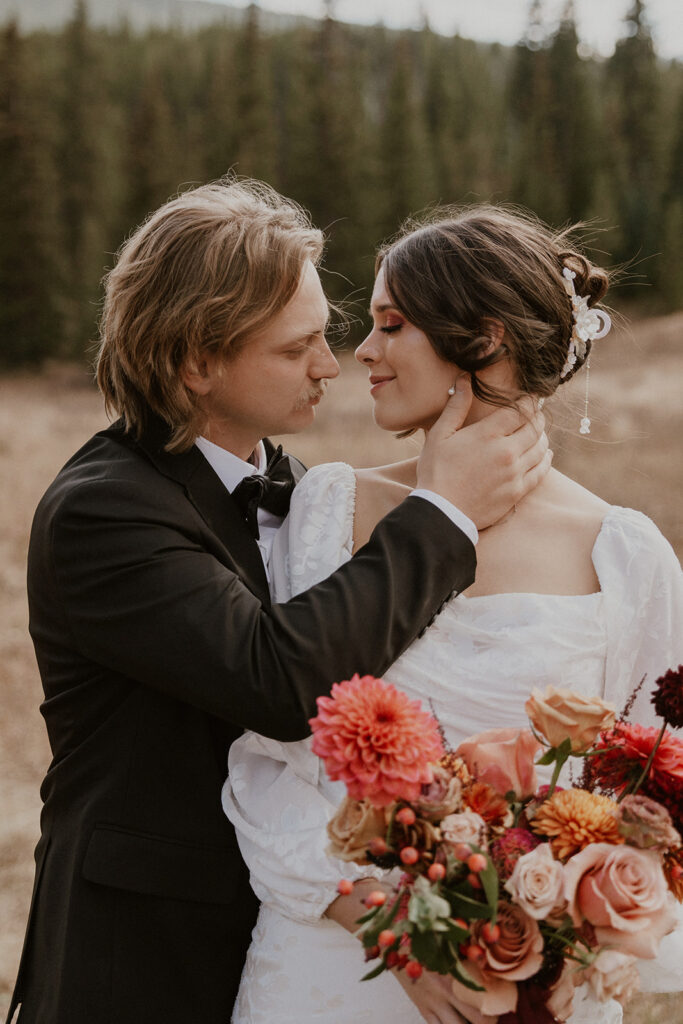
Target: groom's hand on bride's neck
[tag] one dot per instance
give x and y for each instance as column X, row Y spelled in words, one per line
column 487, row 467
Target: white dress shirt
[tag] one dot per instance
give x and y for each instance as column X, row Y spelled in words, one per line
column 231, row 470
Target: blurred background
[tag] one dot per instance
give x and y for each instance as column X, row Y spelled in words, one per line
column 364, row 112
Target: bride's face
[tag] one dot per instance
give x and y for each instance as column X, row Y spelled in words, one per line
column 409, row 382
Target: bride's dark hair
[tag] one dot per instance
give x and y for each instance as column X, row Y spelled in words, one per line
column 448, row 272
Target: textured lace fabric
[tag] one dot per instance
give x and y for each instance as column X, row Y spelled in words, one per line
column 475, row 667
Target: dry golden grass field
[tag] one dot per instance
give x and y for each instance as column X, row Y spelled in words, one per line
column 634, row 458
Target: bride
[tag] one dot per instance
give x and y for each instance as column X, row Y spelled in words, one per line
column 569, row 591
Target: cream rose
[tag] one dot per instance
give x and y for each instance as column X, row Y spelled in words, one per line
column 464, row 827
column 561, row 714
column 613, row 975
column 622, row 892
column 537, row 884
column 351, row 829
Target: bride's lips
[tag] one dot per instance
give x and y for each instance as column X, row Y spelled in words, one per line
column 377, row 382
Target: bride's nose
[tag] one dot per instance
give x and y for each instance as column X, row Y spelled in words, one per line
column 368, row 351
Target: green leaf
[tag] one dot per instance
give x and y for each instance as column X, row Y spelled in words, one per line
column 464, row 906
column 369, row 916
column 459, row 972
column 489, row 880
column 547, row 758
column 375, row 972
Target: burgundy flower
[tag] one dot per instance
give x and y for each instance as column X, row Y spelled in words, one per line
column 668, row 697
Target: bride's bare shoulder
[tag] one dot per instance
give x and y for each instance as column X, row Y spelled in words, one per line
column 572, row 502
column 379, row 489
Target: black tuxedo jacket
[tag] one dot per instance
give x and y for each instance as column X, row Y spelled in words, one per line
column 157, row 644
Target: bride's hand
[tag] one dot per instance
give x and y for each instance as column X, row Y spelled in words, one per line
column 433, row 996
column 432, row 993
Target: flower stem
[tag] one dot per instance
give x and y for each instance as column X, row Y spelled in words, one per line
column 559, row 764
column 643, row 775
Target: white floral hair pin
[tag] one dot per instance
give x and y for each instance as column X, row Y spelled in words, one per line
column 589, row 325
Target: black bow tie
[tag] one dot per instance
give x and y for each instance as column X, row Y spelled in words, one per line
column 272, row 490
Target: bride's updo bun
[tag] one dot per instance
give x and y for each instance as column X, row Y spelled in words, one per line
column 461, row 265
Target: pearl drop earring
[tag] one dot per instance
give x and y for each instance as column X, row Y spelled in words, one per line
column 451, row 390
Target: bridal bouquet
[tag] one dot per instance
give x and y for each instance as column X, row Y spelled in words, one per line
column 518, row 892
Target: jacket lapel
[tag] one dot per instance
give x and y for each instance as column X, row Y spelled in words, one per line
column 213, row 502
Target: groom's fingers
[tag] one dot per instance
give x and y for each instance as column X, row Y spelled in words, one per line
column 456, row 409
column 534, row 454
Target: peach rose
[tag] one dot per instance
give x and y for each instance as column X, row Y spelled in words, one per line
column 464, row 827
column 622, row 892
column 518, row 954
column 504, row 758
column 537, row 884
column 561, row 714
column 351, row 829
column 613, row 975
column 561, row 1000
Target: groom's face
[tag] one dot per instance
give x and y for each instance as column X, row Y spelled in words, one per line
column 276, row 380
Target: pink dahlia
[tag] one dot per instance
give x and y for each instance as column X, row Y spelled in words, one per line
column 376, row 740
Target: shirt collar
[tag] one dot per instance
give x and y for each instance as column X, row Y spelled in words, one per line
column 229, row 468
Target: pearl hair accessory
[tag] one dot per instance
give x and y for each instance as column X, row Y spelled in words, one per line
column 589, row 325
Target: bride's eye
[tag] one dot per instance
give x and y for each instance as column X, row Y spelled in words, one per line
column 393, row 324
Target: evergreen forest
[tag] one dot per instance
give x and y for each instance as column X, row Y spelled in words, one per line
column 361, row 125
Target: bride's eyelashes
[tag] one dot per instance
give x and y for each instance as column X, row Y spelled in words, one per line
column 393, row 323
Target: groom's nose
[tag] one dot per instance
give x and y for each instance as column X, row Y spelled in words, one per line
column 325, row 365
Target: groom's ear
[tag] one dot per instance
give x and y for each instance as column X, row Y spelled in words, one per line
column 197, row 373
column 492, row 335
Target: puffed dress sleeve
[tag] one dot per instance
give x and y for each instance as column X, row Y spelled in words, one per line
column 277, row 795
column 643, row 586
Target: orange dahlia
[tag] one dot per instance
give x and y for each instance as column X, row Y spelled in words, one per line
column 573, row 818
column 482, row 798
column 376, row 740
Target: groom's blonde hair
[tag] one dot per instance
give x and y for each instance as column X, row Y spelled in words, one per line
column 204, row 272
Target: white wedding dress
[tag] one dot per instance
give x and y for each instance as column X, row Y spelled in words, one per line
column 475, row 667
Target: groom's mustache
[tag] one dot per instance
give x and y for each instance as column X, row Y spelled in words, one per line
column 317, row 392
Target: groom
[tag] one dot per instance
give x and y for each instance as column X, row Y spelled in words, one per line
column 150, row 610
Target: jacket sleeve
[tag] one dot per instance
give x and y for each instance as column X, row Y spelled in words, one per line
column 143, row 597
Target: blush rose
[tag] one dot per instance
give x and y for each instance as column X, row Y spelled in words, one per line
column 504, row 758
column 621, row 891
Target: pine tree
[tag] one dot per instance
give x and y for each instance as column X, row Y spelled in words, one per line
column 574, row 123
column 406, row 171
column 635, row 155
column 29, row 325
column 85, row 204
column 152, row 171
column 530, row 90
column 255, row 149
